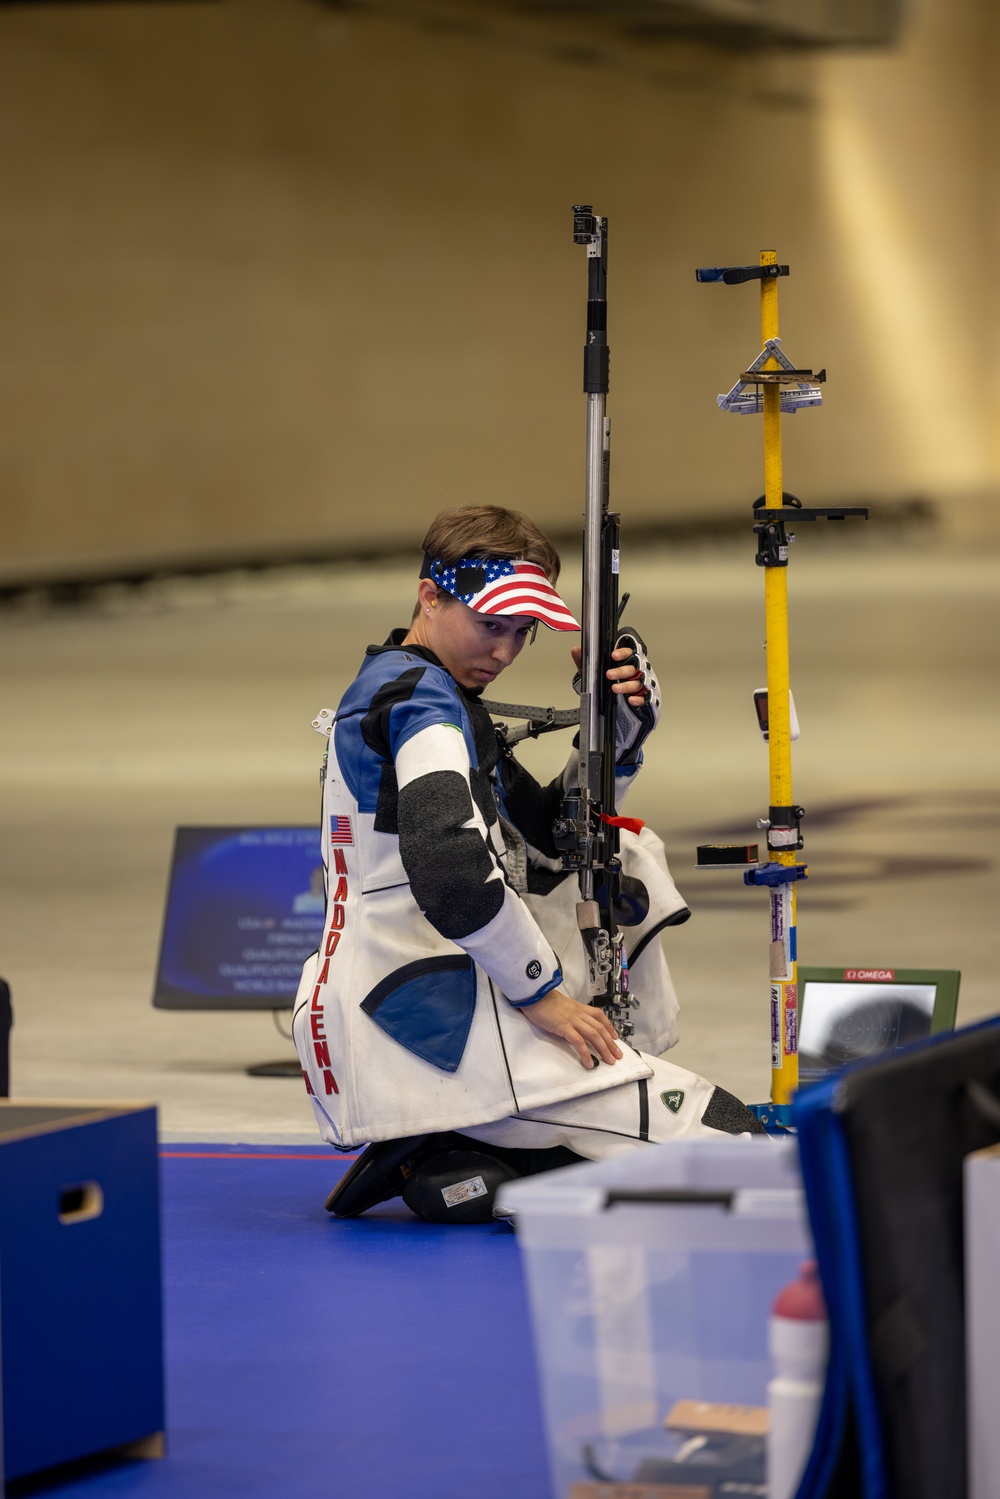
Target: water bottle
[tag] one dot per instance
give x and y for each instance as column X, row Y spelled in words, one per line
column 799, row 1339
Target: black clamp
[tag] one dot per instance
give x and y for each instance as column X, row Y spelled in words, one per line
column 769, row 529
column 772, row 544
column 735, row 275
column 783, row 829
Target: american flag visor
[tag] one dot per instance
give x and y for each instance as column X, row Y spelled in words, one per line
column 500, row 585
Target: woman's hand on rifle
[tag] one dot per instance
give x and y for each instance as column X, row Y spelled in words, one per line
column 625, row 680
column 587, row 1029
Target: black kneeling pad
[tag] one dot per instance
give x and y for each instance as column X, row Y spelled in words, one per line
column 725, row 1112
column 456, row 1186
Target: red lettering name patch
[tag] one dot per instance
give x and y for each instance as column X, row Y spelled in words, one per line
column 317, row 1015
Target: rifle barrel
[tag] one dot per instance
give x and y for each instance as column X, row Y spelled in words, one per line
column 596, row 363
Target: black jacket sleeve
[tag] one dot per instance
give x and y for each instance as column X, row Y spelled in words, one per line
column 531, row 807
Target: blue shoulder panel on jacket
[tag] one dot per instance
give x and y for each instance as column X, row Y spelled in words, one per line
column 393, row 697
column 427, row 1006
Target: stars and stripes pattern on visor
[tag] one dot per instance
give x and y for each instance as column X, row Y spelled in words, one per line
column 499, row 585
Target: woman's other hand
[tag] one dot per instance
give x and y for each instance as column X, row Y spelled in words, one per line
column 585, row 1027
column 624, row 677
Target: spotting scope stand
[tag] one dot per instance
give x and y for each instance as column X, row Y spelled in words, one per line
column 770, row 385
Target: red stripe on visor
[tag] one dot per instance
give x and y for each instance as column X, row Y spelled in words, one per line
column 551, row 612
column 526, row 591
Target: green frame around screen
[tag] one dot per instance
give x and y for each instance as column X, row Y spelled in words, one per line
column 945, row 980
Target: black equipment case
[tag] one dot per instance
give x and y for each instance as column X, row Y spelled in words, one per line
column 882, row 1146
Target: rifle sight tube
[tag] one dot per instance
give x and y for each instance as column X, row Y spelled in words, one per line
column 594, row 806
column 596, row 364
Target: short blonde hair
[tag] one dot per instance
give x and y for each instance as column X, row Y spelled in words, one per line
column 482, row 531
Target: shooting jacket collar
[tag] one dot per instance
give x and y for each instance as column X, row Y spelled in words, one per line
column 394, row 642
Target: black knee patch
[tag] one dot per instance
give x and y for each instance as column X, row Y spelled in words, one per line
column 457, row 1186
column 726, row 1113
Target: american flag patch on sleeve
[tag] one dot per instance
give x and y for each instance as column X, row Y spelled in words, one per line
column 340, row 830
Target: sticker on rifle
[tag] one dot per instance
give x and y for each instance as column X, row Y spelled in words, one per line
column 673, row 1098
column 460, row 1192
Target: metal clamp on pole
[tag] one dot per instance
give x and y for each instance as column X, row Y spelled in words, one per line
column 783, row 827
column 734, row 275
column 772, row 544
column 776, row 874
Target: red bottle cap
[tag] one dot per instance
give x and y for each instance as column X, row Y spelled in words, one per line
column 802, row 1301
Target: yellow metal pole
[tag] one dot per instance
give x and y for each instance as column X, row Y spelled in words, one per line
column 783, row 965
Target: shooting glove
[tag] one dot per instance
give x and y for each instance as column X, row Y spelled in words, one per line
column 634, row 725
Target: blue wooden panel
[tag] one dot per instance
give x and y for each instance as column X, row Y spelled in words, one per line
column 80, row 1303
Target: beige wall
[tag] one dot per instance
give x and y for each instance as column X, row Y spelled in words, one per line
column 276, row 275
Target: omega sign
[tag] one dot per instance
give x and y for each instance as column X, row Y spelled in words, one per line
column 870, row 975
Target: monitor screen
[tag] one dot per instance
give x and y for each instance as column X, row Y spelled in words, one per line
column 843, row 1022
column 245, row 908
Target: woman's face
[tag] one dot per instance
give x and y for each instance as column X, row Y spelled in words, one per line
column 475, row 648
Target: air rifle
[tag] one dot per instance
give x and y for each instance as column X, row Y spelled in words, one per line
column 587, row 831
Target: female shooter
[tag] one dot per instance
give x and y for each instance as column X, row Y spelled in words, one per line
column 440, row 1015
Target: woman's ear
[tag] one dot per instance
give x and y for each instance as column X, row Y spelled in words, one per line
column 427, row 595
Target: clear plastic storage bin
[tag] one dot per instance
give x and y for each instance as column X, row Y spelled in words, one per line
column 651, row 1278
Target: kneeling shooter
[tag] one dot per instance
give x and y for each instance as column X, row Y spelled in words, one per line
column 442, row 1014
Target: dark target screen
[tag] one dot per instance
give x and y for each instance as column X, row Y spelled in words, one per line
column 851, row 1022
column 245, row 908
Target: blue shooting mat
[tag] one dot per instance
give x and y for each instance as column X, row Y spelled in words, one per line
column 311, row 1358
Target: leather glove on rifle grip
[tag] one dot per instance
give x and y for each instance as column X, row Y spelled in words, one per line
column 634, row 725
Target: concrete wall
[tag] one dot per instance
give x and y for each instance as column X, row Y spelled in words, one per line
column 278, row 275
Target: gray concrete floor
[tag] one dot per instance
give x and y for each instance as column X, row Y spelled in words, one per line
column 191, row 703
